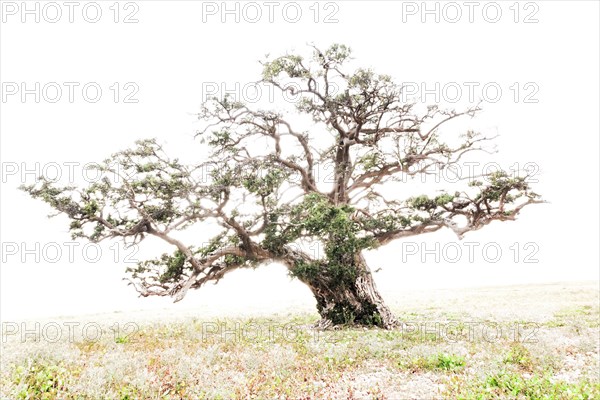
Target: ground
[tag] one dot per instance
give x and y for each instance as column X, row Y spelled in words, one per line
column 530, row 342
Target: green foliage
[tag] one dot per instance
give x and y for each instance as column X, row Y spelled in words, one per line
column 220, row 138
column 500, row 184
column 316, row 216
column 40, row 379
column 519, row 355
column 128, row 392
column 341, row 314
column 213, row 245
column 122, row 339
column 91, row 208
column 174, row 265
column 361, row 79
column 443, row 199
column 234, row 260
column 344, row 313
column 440, row 361
column 171, row 265
column 57, row 198
column 370, row 161
column 422, row 203
column 385, row 223
column 289, row 64
column 449, row 362
column 505, row 384
column 306, row 270
column 263, row 185
column 338, row 53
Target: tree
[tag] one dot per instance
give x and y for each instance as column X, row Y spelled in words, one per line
column 268, row 197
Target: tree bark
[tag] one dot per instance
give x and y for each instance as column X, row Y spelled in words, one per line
column 355, row 302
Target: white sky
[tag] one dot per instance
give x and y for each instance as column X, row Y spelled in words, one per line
column 171, row 54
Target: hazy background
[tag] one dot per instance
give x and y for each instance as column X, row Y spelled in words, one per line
column 170, row 54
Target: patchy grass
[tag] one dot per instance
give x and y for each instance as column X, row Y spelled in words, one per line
column 585, row 316
column 520, row 356
column 440, row 361
column 41, row 379
column 510, row 385
column 435, row 354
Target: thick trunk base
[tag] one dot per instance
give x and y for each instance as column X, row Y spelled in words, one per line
column 357, row 302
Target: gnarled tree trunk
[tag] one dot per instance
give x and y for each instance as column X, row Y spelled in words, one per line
column 355, row 301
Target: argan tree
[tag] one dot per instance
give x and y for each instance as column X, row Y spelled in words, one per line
column 271, row 187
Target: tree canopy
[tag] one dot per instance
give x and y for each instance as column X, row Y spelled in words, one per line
column 263, row 184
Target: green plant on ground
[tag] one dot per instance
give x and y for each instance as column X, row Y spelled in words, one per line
column 519, row 355
column 40, row 379
column 440, row 361
column 511, row 385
